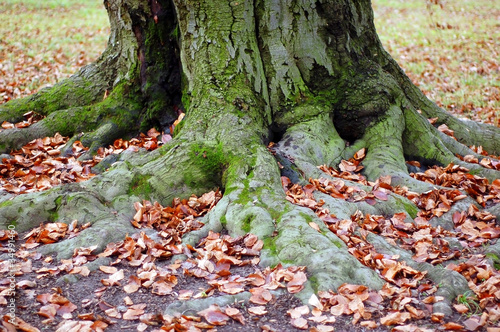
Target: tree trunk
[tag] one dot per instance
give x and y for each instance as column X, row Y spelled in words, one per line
column 310, row 76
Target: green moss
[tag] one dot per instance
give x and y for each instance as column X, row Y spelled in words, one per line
column 246, row 223
column 208, row 158
column 186, row 96
column 270, row 245
column 493, row 257
column 408, row 206
column 338, row 244
column 305, row 106
column 476, row 171
column 176, row 32
column 53, row 214
column 6, row 204
column 178, row 128
column 64, row 95
column 223, row 220
column 122, row 107
column 307, row 217
column 140, row 186
column 314, row 282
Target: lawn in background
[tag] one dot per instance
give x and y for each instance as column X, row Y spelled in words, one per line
column 45, row 41
column 451, row 53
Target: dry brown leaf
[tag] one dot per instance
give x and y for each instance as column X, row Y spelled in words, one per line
column 232, row 288
column 298, row 311
column 314, row 226
column 461, row 308
column 133, row 285
column 472, row 324
column 134, row 312
column 258, row 311
column 108, row 269
column 114, row 279
column 235, row 314
column 322, row 328
column 162, row 288
column 394, row 318
column 18, row 324
column 260, row 295
column 48, row 311
column 452, row 326
column 213, row 315
column 369, row 324
column 297, row 283
column 113, row 313
column 299, row 323
column 315, row 302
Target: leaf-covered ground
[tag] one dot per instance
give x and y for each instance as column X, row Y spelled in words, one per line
column 450, row 52
column 130, row 284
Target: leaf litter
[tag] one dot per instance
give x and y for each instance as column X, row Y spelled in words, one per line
column 216, row 257
column 473, row 228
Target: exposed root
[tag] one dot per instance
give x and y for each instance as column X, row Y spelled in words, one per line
column 194, row 306
column 322, row 252
column 306, row 145
column 451, row 284
column 87, row 202
column 106, row 201
column 111, row 118
column 107, row 229
column 254, row 204
column 81, row 89
column 425, row 143
column 385, row 150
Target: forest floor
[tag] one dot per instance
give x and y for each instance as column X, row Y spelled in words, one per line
column 450, row 52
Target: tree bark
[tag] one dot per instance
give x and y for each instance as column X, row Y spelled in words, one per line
column 311, row 76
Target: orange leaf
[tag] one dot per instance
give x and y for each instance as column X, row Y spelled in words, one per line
column 452, row 326
column 297, row 283
column 214, row 315
column 258, row 311
column 300, row 323
column 395, row 318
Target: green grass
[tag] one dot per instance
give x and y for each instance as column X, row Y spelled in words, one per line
column 450, row 52
column 42, row 42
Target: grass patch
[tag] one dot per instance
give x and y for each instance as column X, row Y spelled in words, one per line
column 43, row 42
column 451, row 53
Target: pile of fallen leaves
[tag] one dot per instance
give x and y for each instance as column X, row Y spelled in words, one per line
column 174, row 221
column 40, row 165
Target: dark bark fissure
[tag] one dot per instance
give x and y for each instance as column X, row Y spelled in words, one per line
column 310, row 76
column 158, row 55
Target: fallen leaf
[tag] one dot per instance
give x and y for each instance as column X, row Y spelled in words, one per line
column 299, row 323
column 258, row 311
column 213, row 315
column 394, row 318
